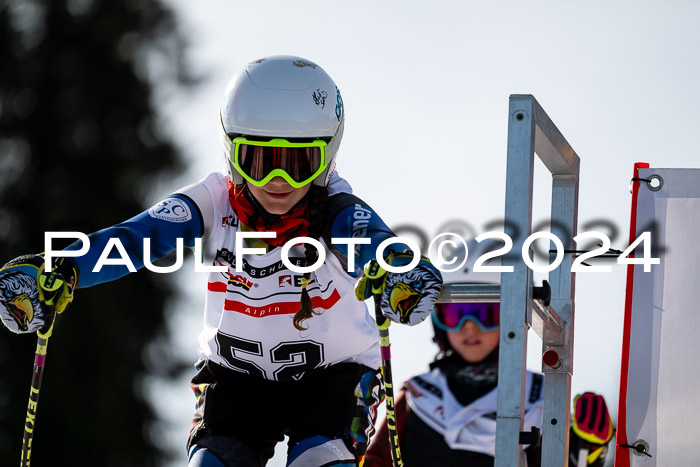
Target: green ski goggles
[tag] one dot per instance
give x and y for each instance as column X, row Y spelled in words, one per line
column 261, row 161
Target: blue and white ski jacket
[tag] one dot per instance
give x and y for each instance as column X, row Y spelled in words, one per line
column 247, row 323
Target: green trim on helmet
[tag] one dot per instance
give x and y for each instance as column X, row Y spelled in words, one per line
column 280, row 143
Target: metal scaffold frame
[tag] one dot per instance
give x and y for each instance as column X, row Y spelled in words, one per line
column 531, row 131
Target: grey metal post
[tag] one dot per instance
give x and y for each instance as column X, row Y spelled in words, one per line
column 515, row 286
column 557, row 386
column 563, row 163
column 531, row 131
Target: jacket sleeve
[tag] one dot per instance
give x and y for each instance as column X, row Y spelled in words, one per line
column 351, row 218
column 186, row 214
column 379, row 452
column 118, row 250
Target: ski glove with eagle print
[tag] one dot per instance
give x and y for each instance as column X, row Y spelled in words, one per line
column 407, row 297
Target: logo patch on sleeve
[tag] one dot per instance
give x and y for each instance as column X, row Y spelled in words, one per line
column 171, row 210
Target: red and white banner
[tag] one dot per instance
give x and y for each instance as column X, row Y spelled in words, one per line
column 659, row 407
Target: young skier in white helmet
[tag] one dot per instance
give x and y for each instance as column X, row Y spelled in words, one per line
column 286, row 348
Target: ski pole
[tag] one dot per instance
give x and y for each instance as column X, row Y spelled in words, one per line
column 582, row 457
column 384, row 345
column 53, row 281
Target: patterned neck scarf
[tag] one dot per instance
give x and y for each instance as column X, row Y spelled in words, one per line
column 249, row 211
column 469, row 381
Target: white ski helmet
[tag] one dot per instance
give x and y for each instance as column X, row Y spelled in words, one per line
column 283, row 97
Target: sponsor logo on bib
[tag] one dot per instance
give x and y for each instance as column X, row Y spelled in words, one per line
column 292, row 281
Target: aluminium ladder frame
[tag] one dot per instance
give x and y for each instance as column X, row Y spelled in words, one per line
column 530, row 131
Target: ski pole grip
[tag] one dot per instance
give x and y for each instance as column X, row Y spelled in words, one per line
column 50, row 287
column 47, row 329
column 382, row 321
column 376, row 276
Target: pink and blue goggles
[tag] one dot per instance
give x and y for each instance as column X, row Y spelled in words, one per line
column 452, row 316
